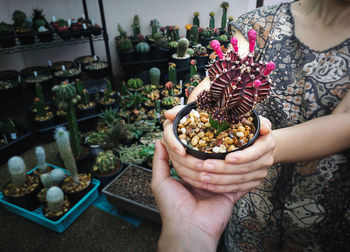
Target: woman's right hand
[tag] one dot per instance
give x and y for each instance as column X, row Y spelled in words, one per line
column 240, row 171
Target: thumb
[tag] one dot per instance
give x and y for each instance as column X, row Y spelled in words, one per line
column 160, row 165
column 171, row 113
column 265, row 126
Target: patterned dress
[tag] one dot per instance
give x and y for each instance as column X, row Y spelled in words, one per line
column 299, row 206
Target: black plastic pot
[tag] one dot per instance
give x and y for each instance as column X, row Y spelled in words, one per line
column 105, row 179
column 29, row 71
column 160, row 53
column 10, row 93
column 103, row 107
column 143, row 56
column 97, row 73
column 96, row 31
column 86, row 112
column 45, row 123
column 202, row 155
column 74, row 198
column 79, row 61
column 69, row 78
column 57, row 66
column 84, row 162
column 205, row 41
column 45, row 36
column 26, row 38
column 8, row 40
column 28, row 201
column 202, row 60
column 182, row 64
column 126, row 56
column 54, row 218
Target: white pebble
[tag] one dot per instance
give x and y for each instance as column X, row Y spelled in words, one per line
column 184, row 141
column 183, row 130
column 222, row 148
column 216, row 149
column 196, row 114
column 240, row 134
column 183, row 120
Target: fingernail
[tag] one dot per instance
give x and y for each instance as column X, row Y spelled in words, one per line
column 199, row 166
column 209, row 167
column 205, row 178
column 232, row 160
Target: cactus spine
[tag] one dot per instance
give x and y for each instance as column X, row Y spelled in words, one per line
column 41, row 158
column 212, row 20
column 55, row 198
column 196, row 19
column 182, row 47
column 64, row 147
column 194, row 35
column 66, row 95
column 154, row 76
column 224, row 6
column 17, row 170
column 172, row 72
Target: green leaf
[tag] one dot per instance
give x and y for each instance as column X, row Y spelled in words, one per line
column 219, row 126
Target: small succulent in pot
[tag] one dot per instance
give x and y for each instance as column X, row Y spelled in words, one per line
column 222, row 119
column 135, row 84
column 106, row 162
column 57, row 204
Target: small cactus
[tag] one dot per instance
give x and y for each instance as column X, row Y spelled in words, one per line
column 212, row 20
column 57, row 176
column 85, row 98
column 79, row 86
column 194, row 35
column 17, row 170
column 55, row 198
column 136, row 26
column 135, row 83
column 193, row 68
column 196, row 19
column 41, row 158
column 155, row 25
column 188, row 28
column 39, row 107
column 18, row 18
column 39, row 92
column 122, row 33
column 182, row 47
column 154, row 76
column 105, row 161
column 46, row 180
column 173, row 44
column 62, row 140
column 224, row 6
column 170, row 87
column 176, row 33
column 124, row 45
column 27, row 25
column 143, row 47
column 172, row 72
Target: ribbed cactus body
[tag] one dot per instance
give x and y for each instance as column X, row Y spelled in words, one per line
column 224, row 6
column 172, row 73
column 211, row 20
column 135, row 83
column 182, row 47
column 55, row 198
column 154, row 76
column 79, row 86
column 124, row 45
column 41, row 158
column 17, row 170
column 85, row 98
column 196, row 19
column 64, row 147
column 173, row 44
column 143, row 47
column 194, row 35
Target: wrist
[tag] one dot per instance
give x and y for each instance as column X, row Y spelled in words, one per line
column 182, row 237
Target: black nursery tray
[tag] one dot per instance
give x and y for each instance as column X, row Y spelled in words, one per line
column 18, row 146
column 140, row 201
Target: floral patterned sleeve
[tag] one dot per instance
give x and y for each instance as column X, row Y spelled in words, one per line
column 261, row 20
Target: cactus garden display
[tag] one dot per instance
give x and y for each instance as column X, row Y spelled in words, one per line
column 225, row 111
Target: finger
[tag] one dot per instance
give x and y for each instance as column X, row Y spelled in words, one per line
column 160, row 165
column 171, row 113
column 184, row 171
column 248, row 186
column 194, row 183
column 262, row 145
column 265, row 126
column 227, row 179
column 170, row 141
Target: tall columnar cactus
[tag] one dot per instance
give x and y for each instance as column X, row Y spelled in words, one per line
column 55, row 198
column 212, row 20
column 17, row 170
column 143, row 47
column 196, row 19
column 230, row 26
column 172, row 72
column 39, row 107
column 154, row 76
column 39, row 92
column 46, row 180
column 188, row 28
column 193, row 68
column 136, row 26
column 194, row 35
column 64, row 147
column 66, row 95
column 57, row 176
column 41, row 159
column 224, row 6
column 85, row 98
column 122, row 33
column 182, row 47
column 236, row 84
column 176, row 33
column 155, row 25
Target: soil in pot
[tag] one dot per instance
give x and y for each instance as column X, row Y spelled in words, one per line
column 68, row 74
column 88, row 110
column 76, row 191
column 85, row 60
column 110, row 103
column 44, row 122
column 97, row 70
column 25, row 196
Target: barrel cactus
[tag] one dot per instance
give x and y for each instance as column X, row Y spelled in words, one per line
column 236, row 84
column 135, row 83
column 17, row 170
column 143, row 47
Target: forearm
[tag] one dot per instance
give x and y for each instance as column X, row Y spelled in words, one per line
column 185, row 239
column 313, row 139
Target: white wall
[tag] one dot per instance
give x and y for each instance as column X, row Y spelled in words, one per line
column 175, row 12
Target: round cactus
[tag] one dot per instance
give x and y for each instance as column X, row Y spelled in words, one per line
column 135, row 83
column 154, row 75
column 55, row 198
column 46, row 180
column 57, row 176
column 143, row 47
column 17, row 170
column 182, row 47
column 41, row 158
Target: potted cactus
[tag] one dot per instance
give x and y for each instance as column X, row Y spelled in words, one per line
column 136, row 27
column 161, row 49
column 181, row 58
column 86, row 107
column 75, row 185
column 83, row 61
column 201, row 55
column 97, row 70
column 151, row 39
column 124, row 46
column 107, row 100
column 224, row 40
column 106, row 167
column 57, row 204
column 67, row 98
column 37, row 74
column 194, row 37
column 53, row 178
column 41, row 25
column 23, row 26
column 206, row 35
column 9, row 84
column 224, row 5
column 43, row 118
column 65, row 71
column 135, row 84
column 22, row 188
column 7, row 35
column 154, row 76
column 143, row 51
column 225, row 111
column 196, row 19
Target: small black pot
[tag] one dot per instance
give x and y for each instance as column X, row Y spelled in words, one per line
column 86, row 112
column 182, row 64
column 202, row 60
column 84, row 163
column 8, row 40
column 28, row 201
column 69, row 78
column 44, row 124
column 143, row 56
column 26, row 38
column 105, row 179
column 128, row 56
column 45, row 36
column 160, row 53
column 202, row 155
column 55, row 218
column 10, row 93
column 73, row 198
column 79, row 60
column 46, row 84
column 103, row 107
column 97, row 73
column 205, row 41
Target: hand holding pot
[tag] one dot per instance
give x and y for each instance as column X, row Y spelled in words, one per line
column 192, row 219
column 240, row 171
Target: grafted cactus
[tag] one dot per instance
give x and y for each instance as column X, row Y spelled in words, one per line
column 41, row 158
column 17, row 170
column 55, row 198
column 196, row 18
column 62, row 140
column 172, row 72
column 236, row 84
column 212, row 20
column 224, row 5
column 194, row 35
